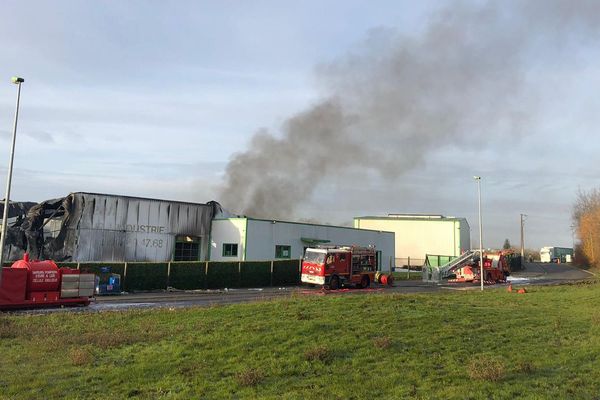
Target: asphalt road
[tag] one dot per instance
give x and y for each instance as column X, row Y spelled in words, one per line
column 534, row 274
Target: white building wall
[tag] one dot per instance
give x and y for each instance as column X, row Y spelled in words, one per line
column 465, row 236
column 230, row 230
column 415, row 238
column 261, row 237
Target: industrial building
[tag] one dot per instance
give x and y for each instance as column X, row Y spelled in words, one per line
column 419, row 235
column 249, row 239
column 103, row 227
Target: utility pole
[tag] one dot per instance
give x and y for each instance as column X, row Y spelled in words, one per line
column 17, row 81
column 481, row 276
column 523, row 217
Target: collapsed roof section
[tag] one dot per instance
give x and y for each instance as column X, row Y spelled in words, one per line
column 102, row 227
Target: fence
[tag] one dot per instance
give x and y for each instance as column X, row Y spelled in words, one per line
column 137, row 276
column 410, row 263
column 435, row 260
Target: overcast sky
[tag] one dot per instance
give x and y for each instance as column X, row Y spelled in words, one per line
column 154, row 98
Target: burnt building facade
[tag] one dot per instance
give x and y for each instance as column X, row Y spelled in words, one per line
column 103, row 227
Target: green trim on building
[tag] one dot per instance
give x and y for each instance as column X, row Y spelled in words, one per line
column 314, row 241
column 245, row 240
column 209, row 243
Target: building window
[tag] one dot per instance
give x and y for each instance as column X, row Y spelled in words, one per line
column 230, row 249
column 187, row 248
column 283, row 251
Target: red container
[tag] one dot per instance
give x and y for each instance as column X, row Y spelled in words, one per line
column 384, row 279
column 42, row 276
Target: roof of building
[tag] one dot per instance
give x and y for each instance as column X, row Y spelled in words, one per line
column 413, row 217
column 144, row 198
column 299, row 223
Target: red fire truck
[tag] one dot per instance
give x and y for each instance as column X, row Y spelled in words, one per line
column 335, row 266
column 496, row 267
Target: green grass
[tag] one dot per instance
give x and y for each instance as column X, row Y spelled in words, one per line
column 458, row 345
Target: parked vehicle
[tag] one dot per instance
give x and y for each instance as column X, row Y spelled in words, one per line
column 33, row 284
column 496, row 267
column 335, row 266
column 556, row 254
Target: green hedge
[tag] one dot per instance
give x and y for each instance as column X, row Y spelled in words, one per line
column 223, row 275
column 96, row 268
column 142, row 276
column 286, row 272
column 255, row 274
column 146, row 276
column 188, row 275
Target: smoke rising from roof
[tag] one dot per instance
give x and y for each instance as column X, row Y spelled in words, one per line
column 392, row 100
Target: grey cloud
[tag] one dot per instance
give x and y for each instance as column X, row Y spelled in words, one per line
column 395, row 99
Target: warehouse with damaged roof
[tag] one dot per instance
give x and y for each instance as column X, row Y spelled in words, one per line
column 93, row 227
column 103, row 227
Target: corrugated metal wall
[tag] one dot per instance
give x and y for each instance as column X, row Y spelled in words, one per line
column 116, row 228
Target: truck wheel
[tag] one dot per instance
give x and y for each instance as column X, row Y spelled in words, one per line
column 334, row 284
column 365, row 282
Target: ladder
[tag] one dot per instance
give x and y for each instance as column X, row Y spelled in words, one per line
column 466, row 257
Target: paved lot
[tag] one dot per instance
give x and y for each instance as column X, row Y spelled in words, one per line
column 534, row 274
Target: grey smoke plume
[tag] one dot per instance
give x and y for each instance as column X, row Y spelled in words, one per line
column 391, row 101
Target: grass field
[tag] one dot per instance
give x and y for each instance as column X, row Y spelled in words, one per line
column 458, row 345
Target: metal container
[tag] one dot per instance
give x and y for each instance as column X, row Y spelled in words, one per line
column 42, row 276
column 66, row 293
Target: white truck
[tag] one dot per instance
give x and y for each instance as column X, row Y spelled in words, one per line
column 556, row 254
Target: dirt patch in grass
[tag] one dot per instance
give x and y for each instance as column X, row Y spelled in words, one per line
column 7, row 329
column 81, row 356
column 319, row 353
column 525, row 367
column 113, row 339
column 383, row 342
column 487, row 368
column 302, row 316
column 249, row 377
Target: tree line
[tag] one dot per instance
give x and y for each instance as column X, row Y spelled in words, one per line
column 586, row 222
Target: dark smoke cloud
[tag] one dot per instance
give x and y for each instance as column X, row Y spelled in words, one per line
column 393, row 100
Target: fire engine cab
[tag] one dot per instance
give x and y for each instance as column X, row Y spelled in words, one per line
column 335, row 266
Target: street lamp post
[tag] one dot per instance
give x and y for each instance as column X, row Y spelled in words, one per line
column 17, row 81
column 523, row 218
column 481, row 276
